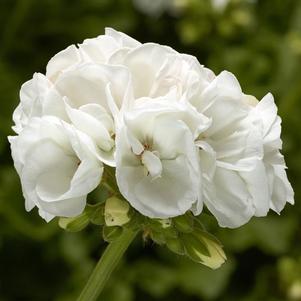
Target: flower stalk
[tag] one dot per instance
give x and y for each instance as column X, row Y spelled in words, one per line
column 106, row 265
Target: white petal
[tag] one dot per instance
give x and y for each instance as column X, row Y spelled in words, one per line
column 66, row 208
column 46, row 216
column 99, row 113
column 121, row 38
column 147, row 60
column 38, row 98
column 92, row 127
column 99, row 49
column 266, row 111
column 170, row 195
column 207, row 159
column 228, row 199
column 281, row 189
column 87, row 83
column 222, row 87
column 239, row 151
column 118, row 57
column 257, row 184
column 267, row 108
column 180, row 72
column 136, row 146
column 62, row 61
column 152, row 163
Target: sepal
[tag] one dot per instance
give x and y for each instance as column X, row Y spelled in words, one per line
column 74, row 224
column 111, row 233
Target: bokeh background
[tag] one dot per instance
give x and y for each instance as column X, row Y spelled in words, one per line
column 260, row 42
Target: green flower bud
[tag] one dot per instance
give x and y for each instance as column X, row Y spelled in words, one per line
column 170, row 232
column 202, row 247
column 184, row 223
column 111, row 233
column 116, row 212
column 194, row 247
column 161, row 229
column 74, row 224
column 157, row 237
column 175, row 245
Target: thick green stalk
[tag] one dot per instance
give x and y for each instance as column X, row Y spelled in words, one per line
column 106, row 265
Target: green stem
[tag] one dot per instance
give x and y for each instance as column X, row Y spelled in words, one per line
column 106, row 265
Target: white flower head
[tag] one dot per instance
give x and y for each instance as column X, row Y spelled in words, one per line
column 178, row 135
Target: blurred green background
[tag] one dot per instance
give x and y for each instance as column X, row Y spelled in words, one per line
column 260, row 42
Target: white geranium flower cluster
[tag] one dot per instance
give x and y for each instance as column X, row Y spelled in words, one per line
column 178, row 135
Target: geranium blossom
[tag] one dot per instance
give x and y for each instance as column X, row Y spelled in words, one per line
column 178, row 135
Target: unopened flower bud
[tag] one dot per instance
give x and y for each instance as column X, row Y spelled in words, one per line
column 175, row 245
column 204, row 248
column 116, row 212
column 184, row 223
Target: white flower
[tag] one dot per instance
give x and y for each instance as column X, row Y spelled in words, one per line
column 82, row 89
column 157, row 165
column 234, row 151
column 228, row 146
column 93, row 95
column 96, row 50
column 279, row 189
column 38, row 97
column 57, row 167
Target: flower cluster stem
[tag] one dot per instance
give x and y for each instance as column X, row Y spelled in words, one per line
column 106, row 265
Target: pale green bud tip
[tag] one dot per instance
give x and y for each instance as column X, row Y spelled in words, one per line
column 116, row 212
column 217, row 255
column 204, row 248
